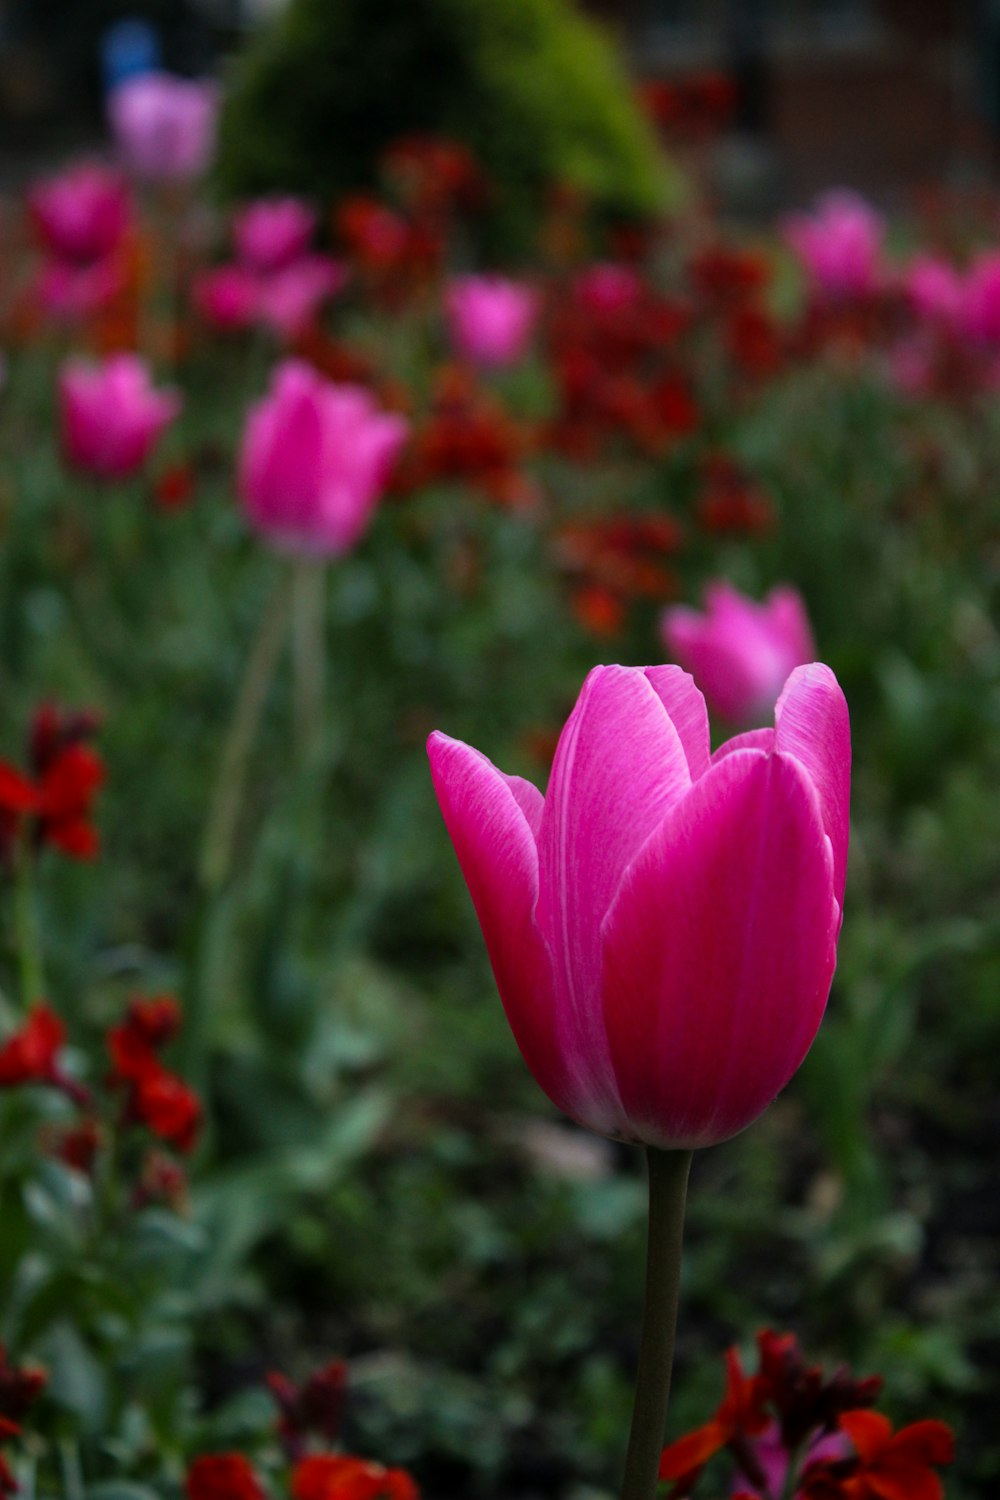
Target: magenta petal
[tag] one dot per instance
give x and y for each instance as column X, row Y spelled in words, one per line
column 812, row 723
column 752, row 739
column 677, row 691
column 484, row 812
column 618, row 768
column 719, row 952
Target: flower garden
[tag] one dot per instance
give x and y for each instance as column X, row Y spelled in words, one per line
column 331, row 544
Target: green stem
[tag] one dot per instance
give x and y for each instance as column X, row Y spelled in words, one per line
column 668, row 1177
column 308, row 654
column 26, row 921
column 230, row 786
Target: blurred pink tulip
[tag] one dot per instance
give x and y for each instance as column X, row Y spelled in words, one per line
column 82, row 215
column 607, row 288
column 289, row 299
column 314, row 461
column 111, row 417
column 839, row 244
column 935, row 289
column 770, row 1454
column 981, row 306
column 491, row 319
column 226, row 297
column 663, row 923
column 272, row 232
column 67, row 291
column 740, row 652
column 165, row 126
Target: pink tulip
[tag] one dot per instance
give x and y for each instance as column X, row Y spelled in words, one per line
column 840, row 244
column 289, row 299
column 662, row 924
column 935, row 290
column 272, row 232
column 68, row 291
column 739, row 651
column 82, row 215
column 111, row 416
column 491, row 319
column 607, row 288
column 981, row 307
column 314, row 460
column 226, row 297
column 770, row 1454
column 165, row 126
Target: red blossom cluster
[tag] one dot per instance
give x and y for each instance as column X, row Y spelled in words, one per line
column 31, row 1055
column 434, row 177
column 692, row 108
column 310, row 1410
column 618, row 375
column 20, row 1388
column 468, row 437
column 793, row 1430
column 147, row 1095
column 154, row 1096
column 52, row 804
column 314, row 1408
column 611, row 562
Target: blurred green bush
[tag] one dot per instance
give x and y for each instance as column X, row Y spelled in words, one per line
column 529, row 85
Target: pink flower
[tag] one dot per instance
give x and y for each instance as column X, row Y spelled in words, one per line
column 935, row 289
column 226, row 297
column 110, row 415
column 607, row 288
column 739, row 651
column 68, row 291
column 272, row 232
column 289, row 299
column 663, row 923
column 314, row 460
column 491, row 319
column 771, row 1456
column 840, row 244
column 81, row 215
column 981, row 310
column 165, row 126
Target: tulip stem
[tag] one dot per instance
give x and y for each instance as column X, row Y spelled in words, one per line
column 308, row 654
column 668, row 1178
column 230, row 787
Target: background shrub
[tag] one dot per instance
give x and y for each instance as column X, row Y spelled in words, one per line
column 529, row 85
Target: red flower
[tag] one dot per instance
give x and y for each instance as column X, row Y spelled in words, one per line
column 175, row 487
column 157, row 1098
column 56, row 807
column 30, row 1055
column 20, row 1388
column 742, row 1414
column 165, row 1105
column 325, row 1477
column 890, row 1466
column 314, row 1407
column 156, row 1019
column 223, row 1476
column 75, row 1145
column 163, row 1180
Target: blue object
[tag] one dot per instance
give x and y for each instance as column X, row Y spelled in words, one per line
column 127, row 49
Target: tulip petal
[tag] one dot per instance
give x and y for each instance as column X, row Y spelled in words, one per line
column 752, row 739
column 618, row 768
column 683, row 700
column 719, row 951
column 489, row 817
column 812, row 723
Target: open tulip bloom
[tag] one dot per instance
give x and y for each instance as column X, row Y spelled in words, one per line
column 663, row 929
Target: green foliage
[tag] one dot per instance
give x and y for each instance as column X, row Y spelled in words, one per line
column 529, row 85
